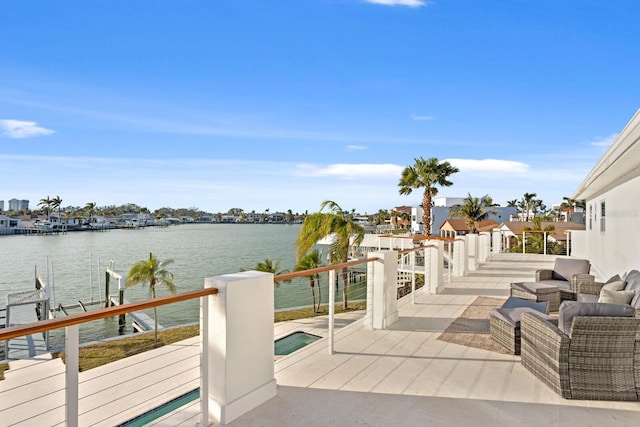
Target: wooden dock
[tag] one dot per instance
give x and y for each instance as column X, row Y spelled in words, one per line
column 139, row 320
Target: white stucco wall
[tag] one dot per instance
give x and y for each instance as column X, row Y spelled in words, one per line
column 614, row 181
column 616, row 249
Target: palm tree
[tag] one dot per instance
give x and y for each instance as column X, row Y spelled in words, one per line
column 536, row 240
column 90, row 208
column 426, row 174
column 46, row 205
column 473, row 210
column 381, row 216
column 268, row 266
column 529, row 203
column 152, row 272
column 56, row 203
column 346, row 233
column 308, row 262
column 571, row 205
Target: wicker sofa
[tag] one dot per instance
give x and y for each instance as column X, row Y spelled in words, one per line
column 569, row 275
column 597, row 358
column 625, row 290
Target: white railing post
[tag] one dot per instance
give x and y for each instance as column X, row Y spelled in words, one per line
column 332, row 307
column 413, row 277
column 240, row 344
column 436, row 263
column 460, row 254
column 71, row 375
column 204, row 361
column 382, row 301
column 472, row 251
column 544, row 235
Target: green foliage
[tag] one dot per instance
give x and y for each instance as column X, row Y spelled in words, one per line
column 427, row 174
column 337, row 223
column 474, row 210
column 310, row 261
column 152, row 272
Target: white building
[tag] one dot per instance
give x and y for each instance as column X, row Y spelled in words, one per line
column 612, row 235
column 18, row 205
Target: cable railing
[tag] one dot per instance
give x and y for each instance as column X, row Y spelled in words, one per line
column 547, row 242
column 72, row 323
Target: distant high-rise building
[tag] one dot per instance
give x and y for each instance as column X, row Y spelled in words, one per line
column 1, row 205
column 18, row 205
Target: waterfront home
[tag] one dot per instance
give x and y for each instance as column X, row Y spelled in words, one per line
column 459, row 227
column 441, row 213
column 8, row 224
column 611, row 239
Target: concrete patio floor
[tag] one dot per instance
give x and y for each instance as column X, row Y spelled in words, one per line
column 404, row 376
column 401, row 376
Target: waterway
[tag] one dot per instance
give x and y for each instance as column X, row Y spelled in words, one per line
column 75, row 264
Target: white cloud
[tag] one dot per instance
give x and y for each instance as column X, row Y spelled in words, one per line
column 408, row 3
column 346, row 170
column 493, row 166
column 421, row 118
column 606, row 141
column 356, row 147
column 21, row 129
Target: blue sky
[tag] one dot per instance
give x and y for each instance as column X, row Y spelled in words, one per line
column 282, row 104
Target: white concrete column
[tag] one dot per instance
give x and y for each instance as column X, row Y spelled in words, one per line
column 239, row 357
column 434, row 266
column 460, row 258
column 484, row 246
column 496, row 246
column 382, row 301
column 472, row 251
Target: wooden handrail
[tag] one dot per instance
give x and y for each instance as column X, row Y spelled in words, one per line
column 75, row 319
column 305, row 273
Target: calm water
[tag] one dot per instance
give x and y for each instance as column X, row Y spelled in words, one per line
column 77, row 262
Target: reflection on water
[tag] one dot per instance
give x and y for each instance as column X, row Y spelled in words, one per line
column 77, row 263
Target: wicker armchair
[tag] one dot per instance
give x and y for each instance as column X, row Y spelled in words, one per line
column 569, row 275
column 599, row 360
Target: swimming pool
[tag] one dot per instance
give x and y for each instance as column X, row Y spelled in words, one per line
column 294, row 341
column 282, row 347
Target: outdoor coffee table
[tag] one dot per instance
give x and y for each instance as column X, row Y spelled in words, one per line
column 504, row 322
column 537, row 292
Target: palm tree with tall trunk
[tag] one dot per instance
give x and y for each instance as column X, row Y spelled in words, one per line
column 427, row 174
column 154, row 273
column 308, row 262
column 340, row 226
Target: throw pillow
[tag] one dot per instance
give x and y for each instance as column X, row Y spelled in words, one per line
column 616, row 297
column 617, row 285
column 614, row 278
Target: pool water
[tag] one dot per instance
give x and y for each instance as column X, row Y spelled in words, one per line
column 294, row 341
column 155, row 413
column 283, row 346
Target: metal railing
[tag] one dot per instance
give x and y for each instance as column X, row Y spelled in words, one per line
column 538, row 242
column 72, row 323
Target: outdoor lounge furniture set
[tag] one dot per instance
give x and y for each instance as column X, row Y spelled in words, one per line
column 592, row 349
